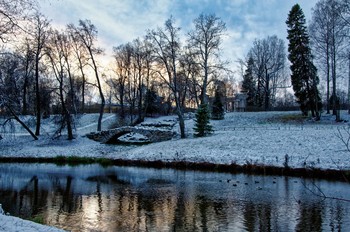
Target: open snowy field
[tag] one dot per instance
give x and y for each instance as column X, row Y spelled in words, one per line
column 262, row 138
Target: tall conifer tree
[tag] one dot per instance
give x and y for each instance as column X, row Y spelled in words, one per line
column 304, row 73
column 248, row 84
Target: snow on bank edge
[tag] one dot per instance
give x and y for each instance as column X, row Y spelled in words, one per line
column 241, row 138
column 9, row 224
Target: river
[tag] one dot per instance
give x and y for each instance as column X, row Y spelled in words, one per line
column 96, row 198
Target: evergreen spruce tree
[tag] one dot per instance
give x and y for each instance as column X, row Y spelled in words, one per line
column 248, row 84
column 202, row 124
column 304, row 73
column 218, row 111
column 151, row 102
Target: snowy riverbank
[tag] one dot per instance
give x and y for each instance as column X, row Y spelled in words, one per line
column 9, row 223
column 262, row 138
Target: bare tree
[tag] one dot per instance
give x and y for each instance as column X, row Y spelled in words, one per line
column 27, row 62
column 87, row 33
column 269, row 61
column 55, row 52
column 190, row 70
column 133, row 71
column 10, row 78
column 328, row 33
column 67, row 53
column 81, row 57
column 167, row 51
column 205, row 41
column 39, row 33
column 122, row 55
column 321, row 41
column 12, row 12
column 140, row 54
column 149, row 81
column 345, row 15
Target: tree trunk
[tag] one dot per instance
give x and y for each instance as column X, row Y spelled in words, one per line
column 140, row 111
column 22, row 123
column 181, row 122
column 267, row 91
column 334, row 77
column 328, row 79
column 65, row 113
column 37, row 95
column 349, row 86
column 334, row 88
column 103, row 102
column 336, row 106
column 24, row 101
column 71, row 85
column 204, row 99
column 122, row 110
column 82, row 109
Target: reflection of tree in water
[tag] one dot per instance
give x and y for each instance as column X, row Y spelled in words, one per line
column 105, row 201
column 180, row 221
column 258, row 217
column 211, row 215
column 337, row 217
column 249, row 216
column 157, row 206
column 310, row 218
column 63, row 197
column 28, row 201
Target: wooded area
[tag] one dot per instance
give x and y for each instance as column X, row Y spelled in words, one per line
column 45, row 70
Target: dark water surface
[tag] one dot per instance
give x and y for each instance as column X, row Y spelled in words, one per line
column 94, row 198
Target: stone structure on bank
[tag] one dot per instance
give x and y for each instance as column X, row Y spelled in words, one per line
column 130, row 134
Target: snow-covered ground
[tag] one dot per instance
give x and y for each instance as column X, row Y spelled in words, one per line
column 9, row 224
column 259, row 138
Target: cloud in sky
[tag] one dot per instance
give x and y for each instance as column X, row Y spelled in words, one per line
column 121, row 21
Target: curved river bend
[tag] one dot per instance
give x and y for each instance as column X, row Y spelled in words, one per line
column 96, row 198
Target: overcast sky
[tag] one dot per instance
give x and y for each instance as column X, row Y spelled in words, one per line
column 121, row 21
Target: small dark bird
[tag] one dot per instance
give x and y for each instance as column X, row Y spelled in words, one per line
column 235, row 185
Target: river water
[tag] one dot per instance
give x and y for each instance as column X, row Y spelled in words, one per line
column 96, row 198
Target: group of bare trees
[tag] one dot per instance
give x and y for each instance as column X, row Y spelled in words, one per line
column 265, row 72
column 131, row 77
column 44, row 69
column 330, row 32
column 180, row 71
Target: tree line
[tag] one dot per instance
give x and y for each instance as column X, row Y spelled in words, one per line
column 49, row 69
column 46, row 70
column 323, row 43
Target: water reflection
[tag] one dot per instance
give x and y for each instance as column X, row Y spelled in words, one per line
column 93, row 198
